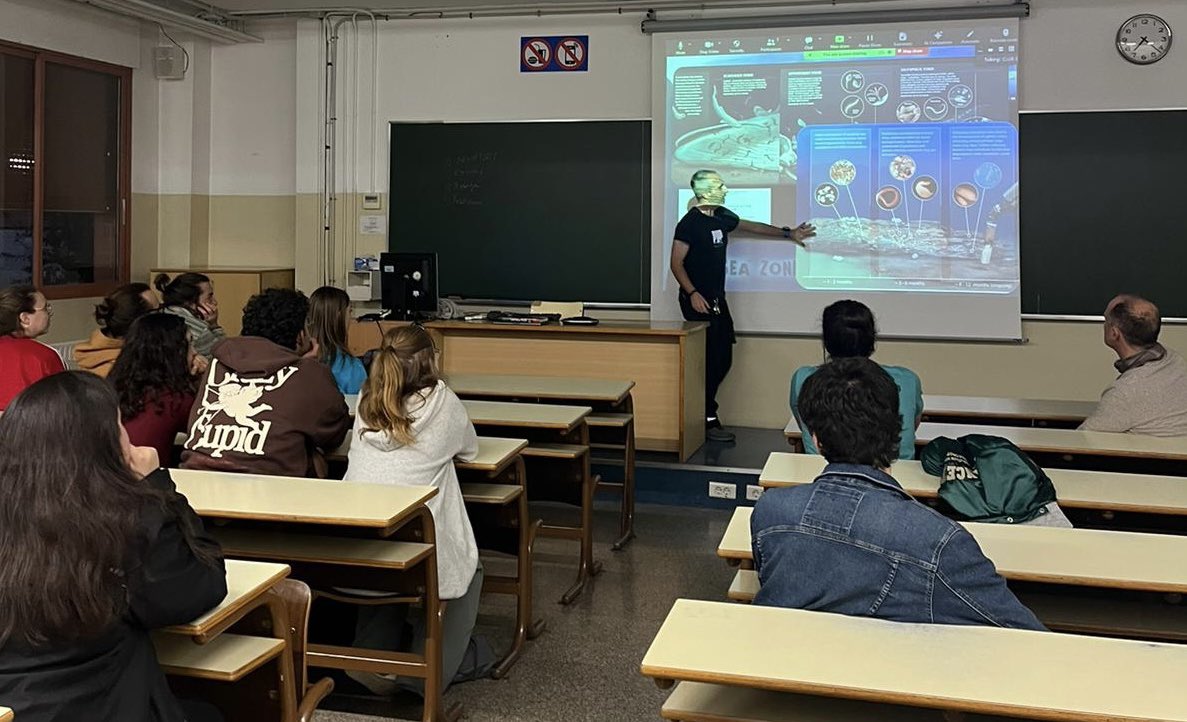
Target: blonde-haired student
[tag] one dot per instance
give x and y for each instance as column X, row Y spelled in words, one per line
column 408, row 430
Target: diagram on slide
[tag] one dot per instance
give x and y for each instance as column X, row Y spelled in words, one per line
column 899, row 144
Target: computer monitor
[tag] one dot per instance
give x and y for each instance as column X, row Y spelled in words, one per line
column 409, row 282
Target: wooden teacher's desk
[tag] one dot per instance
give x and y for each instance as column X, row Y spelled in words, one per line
column 665, row 360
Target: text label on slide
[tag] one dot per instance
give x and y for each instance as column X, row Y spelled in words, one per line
column 554, row 54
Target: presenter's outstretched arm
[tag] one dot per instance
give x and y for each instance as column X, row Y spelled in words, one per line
column 797, row 235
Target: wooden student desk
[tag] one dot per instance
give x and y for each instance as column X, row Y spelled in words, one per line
column 558, row 451
column 611, row 392
column 612, row 427
column 1033, row 675
column 1108, row 491
column 247, row 583
column 1066, row 448
column 380, row 508
column 1050, row 555
column 666, row 361
column 1013, row 412
column 403, row 564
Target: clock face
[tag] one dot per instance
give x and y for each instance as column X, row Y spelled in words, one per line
column 1144, row 39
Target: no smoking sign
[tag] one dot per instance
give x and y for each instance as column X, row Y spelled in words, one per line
column 554, row 54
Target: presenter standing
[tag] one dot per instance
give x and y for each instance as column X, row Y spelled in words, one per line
column 698, row 263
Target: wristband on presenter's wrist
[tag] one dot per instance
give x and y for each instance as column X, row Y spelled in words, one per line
column 787, row 232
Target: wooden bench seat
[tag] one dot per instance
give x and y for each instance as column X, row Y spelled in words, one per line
column 555, row 451
column 226, row 658
column 702, row 702
column 607, row 420
column 372, row 553
column 498, row 494
column 1062, row 612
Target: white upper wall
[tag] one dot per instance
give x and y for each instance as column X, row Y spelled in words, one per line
column 71, row 27
column 463, row 70
column 1070, row 62
column 253, row 122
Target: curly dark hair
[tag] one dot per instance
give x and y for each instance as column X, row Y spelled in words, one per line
column 277, row 314
column 851, row 406
column 154, row 361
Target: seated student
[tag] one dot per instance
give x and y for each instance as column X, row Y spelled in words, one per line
column 852, row 541
column 849, row 331
column 114, row 316
column 329, row 312
column 266, row 402
column 24, row 315
column 1150, row 395
column 191, row 296
column 99, row 550
column 410, row 427
column 154, row 377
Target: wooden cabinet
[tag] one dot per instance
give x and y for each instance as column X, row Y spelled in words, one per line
column 233, row 286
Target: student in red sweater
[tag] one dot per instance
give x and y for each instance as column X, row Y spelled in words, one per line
column 24, row 315
column 154, row 377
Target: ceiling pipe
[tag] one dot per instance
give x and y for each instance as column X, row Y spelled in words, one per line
column 437, row 12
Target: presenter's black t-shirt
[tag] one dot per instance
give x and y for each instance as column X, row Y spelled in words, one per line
column 707, row 238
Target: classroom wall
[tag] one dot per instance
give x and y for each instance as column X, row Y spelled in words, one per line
column 237, row 147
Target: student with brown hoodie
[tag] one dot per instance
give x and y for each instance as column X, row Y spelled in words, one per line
column 114, row 316
column 266, row 404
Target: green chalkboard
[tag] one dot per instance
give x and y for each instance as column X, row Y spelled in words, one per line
column 1103, row 211
column 556, row 211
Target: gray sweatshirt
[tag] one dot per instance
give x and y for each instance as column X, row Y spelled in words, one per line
column 1150, row 399
column 443, row 432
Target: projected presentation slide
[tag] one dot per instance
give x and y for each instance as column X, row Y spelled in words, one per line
column 899, row 143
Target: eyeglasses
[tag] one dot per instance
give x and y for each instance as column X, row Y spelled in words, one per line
column 48, row 308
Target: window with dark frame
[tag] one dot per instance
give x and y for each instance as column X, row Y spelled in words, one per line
column 65, row 185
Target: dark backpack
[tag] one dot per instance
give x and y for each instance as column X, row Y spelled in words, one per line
column 988, row 479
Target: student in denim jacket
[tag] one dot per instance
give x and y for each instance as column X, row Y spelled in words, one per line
column 853, row 542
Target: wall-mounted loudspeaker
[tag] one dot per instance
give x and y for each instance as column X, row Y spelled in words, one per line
column 168, row 62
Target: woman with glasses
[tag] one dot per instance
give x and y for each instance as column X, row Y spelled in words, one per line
column 24, row 315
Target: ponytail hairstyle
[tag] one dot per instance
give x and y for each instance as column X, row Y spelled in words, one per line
column 184, row 290
column 329, row 308
column 404, row 366
column 120, row 308
column 849, row 330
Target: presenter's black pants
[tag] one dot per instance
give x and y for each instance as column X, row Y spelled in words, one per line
column 719, row 348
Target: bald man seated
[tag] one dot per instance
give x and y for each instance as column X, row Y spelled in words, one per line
column 1150, row 395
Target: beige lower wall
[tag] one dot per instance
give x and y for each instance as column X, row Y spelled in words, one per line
column 252, row 230
column 1061, row 360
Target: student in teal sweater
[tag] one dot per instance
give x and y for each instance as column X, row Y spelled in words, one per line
column 849, row 330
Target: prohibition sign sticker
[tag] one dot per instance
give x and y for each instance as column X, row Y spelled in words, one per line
column 570, row 54
column 536, row 54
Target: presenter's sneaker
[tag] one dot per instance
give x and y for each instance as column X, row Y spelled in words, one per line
column 715, row 432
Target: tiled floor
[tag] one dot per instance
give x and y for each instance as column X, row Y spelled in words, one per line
column 585, row 667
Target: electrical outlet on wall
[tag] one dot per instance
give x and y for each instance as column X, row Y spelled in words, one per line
column 753, row 491
column 722, row 490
